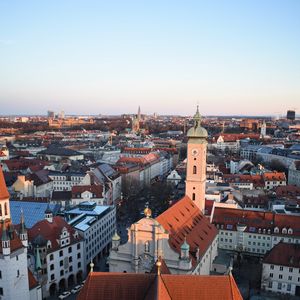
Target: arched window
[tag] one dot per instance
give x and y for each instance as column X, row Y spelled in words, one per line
column 194, row 197
column 0, row 210
column 147, row 247
column 5, row 208
column 194, row 170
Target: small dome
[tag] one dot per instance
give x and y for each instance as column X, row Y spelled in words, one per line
column 116, row 237
column 198, row 132
column 185, row 246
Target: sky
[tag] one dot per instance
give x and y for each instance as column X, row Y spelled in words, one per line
column 109, row 57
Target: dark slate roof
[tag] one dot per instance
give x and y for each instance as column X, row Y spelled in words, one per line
column 59, row 151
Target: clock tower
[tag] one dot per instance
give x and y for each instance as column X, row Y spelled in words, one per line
column 196, row 163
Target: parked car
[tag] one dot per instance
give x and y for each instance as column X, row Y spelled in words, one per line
column 64, row 295
column 76, row 289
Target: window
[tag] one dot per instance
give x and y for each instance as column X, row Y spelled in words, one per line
column 78, row 246
column 61, row 272
column 52, row 277
column 270, row 284
column 279, row 286
column 147, row 247
column 52, row 267
column 71, row 269
column 280, row 276
column 194, row 170
column 78, row 255
column 70, row 259
column 194, row 197
column 5, row 208
column 61, row 253
column 61, row 263
column 290, row 270
column 1, row 289
column 51, row 257
column 281, row 268
column 272, row 267
column 70, row 249
column 18, row 273
column 17, row 257
column 0, row 274
column 271, row 275
column 288, row 287
column 79, row 265
column 290, row 278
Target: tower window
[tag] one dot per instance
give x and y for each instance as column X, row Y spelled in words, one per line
column 194, row 196
column 0, row 210
column 194, row 170
column 5, row 208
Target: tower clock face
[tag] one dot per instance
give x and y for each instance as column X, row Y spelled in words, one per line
column 195, row 152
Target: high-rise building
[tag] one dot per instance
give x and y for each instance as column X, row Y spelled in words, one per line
column 291, row 115
column 196, row 163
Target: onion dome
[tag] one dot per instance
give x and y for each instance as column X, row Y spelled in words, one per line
column 197, row 131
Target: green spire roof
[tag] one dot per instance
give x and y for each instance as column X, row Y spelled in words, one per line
column 38, row 263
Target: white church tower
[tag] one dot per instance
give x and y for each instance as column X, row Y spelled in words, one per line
column 196, row 163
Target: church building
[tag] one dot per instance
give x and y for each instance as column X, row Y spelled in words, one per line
column 181, row 236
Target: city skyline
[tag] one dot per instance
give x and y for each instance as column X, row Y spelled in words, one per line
column 109, row 58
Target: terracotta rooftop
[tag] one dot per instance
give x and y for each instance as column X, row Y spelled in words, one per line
column 274, row 176
column 97, row 190
column 3, row 189
column 184, row 219
column 115, row 286
column 32, row 281
column 52, row 231
column 284, row 254
column 229, row 218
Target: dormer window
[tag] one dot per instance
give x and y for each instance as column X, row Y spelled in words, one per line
column 290, row 231
column 284, row 231
column 276, row 230
column 49, row 245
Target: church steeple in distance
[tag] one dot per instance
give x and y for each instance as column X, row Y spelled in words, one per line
column 196, row 162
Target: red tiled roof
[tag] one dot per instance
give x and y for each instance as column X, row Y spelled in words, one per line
column 3, row 189
column 284, row 254
column 32, row 281
column 151, row 286
column 52, row 231
column 232, row 137
column 274, row 176
column 184, row 219
column 95, row 189
column 287, row 190
column 257, row 180
column 255, row 220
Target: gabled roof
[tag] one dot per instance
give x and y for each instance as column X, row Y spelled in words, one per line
column 254, row 220
column 97, row 190
column 3, row 189
column 185, row 220
column 284, row 254
column 152, row 286
column 52, row 231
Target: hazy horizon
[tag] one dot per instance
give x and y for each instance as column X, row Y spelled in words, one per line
column 89, row 57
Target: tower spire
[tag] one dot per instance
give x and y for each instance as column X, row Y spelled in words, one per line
column 196, row 162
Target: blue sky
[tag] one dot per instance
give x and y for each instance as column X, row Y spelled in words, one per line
column 90, row 57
